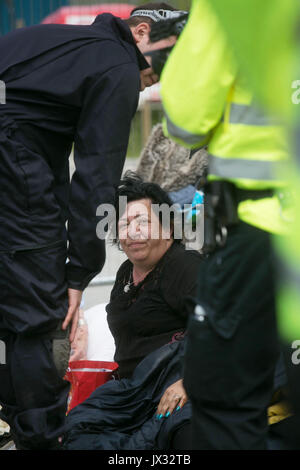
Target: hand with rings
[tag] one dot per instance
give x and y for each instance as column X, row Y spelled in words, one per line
column 173, row 398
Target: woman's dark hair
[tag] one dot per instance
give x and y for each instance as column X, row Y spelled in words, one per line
column 134, row 189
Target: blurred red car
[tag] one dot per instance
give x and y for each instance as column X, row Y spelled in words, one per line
column 84, row 15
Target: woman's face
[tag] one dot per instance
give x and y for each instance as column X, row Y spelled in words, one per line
column 141, row 235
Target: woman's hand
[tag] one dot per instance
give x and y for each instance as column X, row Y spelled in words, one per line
column 174, row 397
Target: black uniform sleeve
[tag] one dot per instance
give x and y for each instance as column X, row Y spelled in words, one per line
column 99, row 151
column 180, row 279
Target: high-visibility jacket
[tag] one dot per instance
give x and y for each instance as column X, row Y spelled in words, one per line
column 207, row 101
column 271, row 63
column 262, row 37
column 288, row 251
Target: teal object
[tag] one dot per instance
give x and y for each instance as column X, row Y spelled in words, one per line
column 198, row 199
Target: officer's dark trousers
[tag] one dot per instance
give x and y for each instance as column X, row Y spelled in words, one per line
column 33, row 297
column 231, row 354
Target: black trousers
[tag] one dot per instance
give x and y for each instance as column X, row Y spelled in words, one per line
column 33, row 296
column 231, row 354
column 33, row 394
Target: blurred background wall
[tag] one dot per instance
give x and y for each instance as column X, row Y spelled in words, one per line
column 19, row 13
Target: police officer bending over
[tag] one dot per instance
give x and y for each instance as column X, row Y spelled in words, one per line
column 64, row 84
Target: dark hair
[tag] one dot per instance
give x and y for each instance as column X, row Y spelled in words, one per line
column 135, row 189
column 135, row 20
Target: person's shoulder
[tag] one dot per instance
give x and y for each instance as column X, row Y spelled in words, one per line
column 105, row 47
column 101, row 57
column 117, row 36
column 181, row 258
column 180, row 273
column 181, row 252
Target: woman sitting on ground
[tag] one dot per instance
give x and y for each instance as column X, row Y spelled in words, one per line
column 147, row 407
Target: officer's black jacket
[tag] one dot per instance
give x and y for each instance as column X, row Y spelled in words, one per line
column 78, row 84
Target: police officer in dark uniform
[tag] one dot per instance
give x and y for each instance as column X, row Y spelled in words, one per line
column 64, row 85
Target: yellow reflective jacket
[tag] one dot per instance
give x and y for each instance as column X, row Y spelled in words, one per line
column 207, row 101
column 271, row 63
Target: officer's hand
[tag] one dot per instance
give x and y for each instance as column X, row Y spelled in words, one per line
column 73, row 311
column 174, row 398
column 79, row 346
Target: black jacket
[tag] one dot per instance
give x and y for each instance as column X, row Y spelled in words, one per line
column 121, row 415
column 68, row 84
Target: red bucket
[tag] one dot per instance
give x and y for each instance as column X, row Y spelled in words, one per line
column 85, row 377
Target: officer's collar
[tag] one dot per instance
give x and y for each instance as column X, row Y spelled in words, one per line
column 123, row 30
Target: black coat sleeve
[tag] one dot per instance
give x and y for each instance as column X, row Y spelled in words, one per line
column 99, row 152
